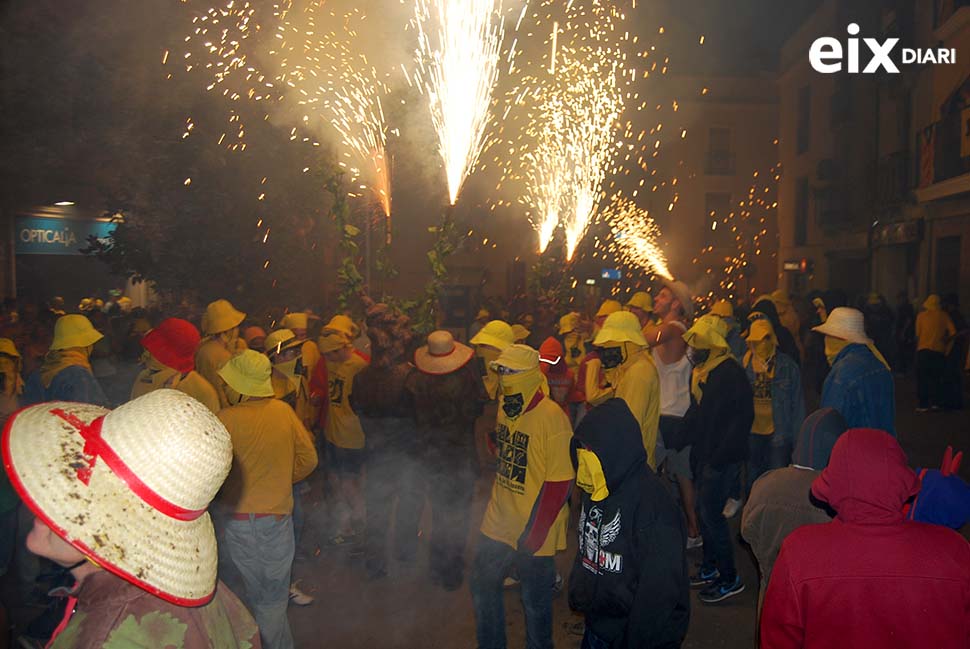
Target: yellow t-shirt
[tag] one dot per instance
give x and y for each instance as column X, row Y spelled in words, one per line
column 532, row 449
column 192, row 384
column 270, row 451
column 638, row 384
column 343, row 427
column 932, row 328
column 764, row 418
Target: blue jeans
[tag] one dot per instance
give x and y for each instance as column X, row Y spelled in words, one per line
column 262, row 551
column 714, row 485
column 493, row 561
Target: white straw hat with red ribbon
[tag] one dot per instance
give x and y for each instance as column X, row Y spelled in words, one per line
column 129, row 488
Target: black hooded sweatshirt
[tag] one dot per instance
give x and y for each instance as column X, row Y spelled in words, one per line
column 630, row 575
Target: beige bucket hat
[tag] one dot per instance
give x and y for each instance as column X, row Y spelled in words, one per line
column 845, row 323
column 128, row 488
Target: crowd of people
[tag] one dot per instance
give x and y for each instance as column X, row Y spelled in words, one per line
column 668, row 417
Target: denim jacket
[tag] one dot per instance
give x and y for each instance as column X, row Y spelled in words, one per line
column 861, row 388
column 787, row 399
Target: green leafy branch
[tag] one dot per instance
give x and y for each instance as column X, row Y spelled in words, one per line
column 447, row 241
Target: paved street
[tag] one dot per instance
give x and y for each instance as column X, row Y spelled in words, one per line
column 406, row 611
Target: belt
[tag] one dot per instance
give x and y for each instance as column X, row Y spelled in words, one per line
column 246, row 517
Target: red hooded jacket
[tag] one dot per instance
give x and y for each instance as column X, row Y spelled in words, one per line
column 869, row 578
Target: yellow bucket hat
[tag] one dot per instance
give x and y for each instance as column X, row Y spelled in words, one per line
column 248, row 373
column 709, row 332
column 74, row 330
column 518, row 358
column 295, row 321
column 609, row 307
column 621, row 327
column 723, row 309
column 568, row 323
column 221, row 316
column 331, row 341
column 519, row 332
column 496, row 334
column 641, row 300
column 344, row 326
column 9, row 348
column 760, row 329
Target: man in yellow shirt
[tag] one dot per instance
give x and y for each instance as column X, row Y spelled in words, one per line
column 270, row 451
column 631, row 374
column 934, row 332
column 344, row 435
column 220, row 326
column 525, row 519
column 171, row 363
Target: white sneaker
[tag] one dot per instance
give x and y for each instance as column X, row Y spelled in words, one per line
column 694, row 542
column 298, row 597
column 731, row 508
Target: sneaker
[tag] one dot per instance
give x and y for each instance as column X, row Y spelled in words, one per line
column 557, row 585
column 720, row 590
column 298, row 597
column 731, row 507
column 694, row 542
column 704, row 577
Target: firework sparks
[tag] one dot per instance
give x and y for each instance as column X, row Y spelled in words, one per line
column 635, row 238
column 459, row 44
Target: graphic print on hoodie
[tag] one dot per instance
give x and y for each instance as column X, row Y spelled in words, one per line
column 629, row 577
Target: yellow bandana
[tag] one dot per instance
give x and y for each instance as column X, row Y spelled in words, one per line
column 589, row 475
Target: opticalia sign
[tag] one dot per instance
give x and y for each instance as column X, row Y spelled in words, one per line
column 41, row 235
column 827, row 55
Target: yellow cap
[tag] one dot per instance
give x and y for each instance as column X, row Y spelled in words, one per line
column 343, row 325
column 248, row 373
column 518, row 358
column 709, row 332
column 621, row 327
column 496, row 334
column 760, row 329
column 331, row 341
column 519, row 332
column 641, row 300
column 9, row 348
column 568, row 323
column 723, row 308
column 74, row 331
column 295, row 321
column 609, row 307
column 279, row 340
column 221, row 316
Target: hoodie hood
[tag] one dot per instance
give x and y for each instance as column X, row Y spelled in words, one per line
column 766, row 307
column 552, row 357
column 816, row 438
column 867, row 480
column 612, row 433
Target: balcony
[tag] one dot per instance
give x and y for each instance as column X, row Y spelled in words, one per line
column 719, row 163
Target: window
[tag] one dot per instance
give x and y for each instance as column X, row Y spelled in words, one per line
column 801, row 212
column 720, row 160
column 804, row 119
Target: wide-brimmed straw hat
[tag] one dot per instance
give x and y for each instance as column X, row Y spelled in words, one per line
column 621, row 327
column 496, row 333
column 442, row 354
column 845, row 323
column 128, row 488
column 173, row 342
column 280, row 340
column 682, row 293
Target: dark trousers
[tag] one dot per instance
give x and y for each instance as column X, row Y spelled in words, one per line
column 450, row 474
column 929, row 374
column 392, row 477
column 713, row 488
column 492, row 564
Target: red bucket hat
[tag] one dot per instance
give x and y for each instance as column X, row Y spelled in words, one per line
column 173, row 342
